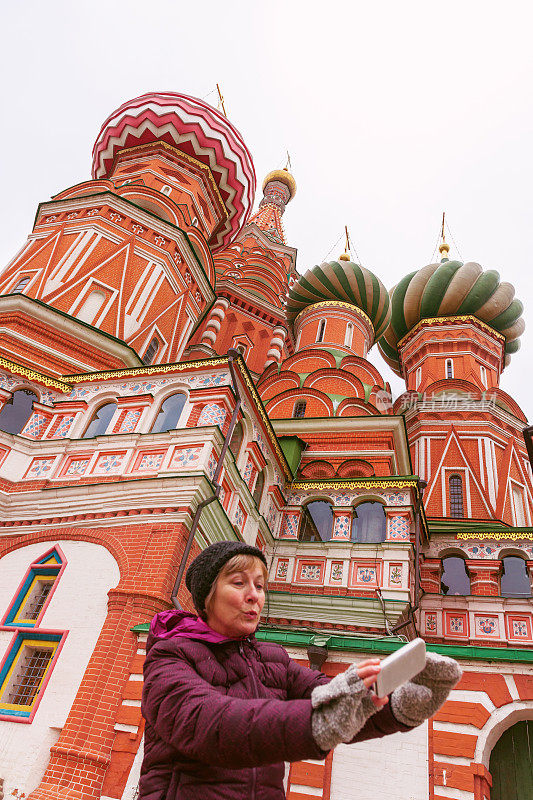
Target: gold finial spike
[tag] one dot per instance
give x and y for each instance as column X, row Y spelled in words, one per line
column 346, row 255
column 444, row 248
column 221, row 101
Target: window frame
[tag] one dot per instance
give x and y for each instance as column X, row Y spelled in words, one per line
column 449, row 368
column 321, row 331
column 452, row 500
column 295, row 407
column 107, row 402
column 155, row 352
column 28, row 633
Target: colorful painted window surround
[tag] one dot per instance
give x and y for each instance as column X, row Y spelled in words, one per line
column 32, row 654
column 35, row 591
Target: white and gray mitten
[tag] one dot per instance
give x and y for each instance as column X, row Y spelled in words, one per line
column 421, row 697
column 340, row 709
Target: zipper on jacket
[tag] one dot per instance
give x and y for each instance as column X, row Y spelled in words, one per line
column 256, row 696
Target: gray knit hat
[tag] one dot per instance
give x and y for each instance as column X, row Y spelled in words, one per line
column 203, row 571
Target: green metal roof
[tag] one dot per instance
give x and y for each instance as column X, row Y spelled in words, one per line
column 380, row 646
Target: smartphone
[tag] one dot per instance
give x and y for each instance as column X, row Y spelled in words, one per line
column 400, row 666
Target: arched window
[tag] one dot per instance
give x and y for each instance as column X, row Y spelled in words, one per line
column 369, row 523
column 449, row 368
column 321, row 330
column 456, row 497
column 169, row 413
column 348, row 335
column 317, row 522
column 21, row 285
column 236, row 440
column 14, row 415
column 100, row 421
column 418, row 379
column 455, row 578
column 299, row 409
column 91, row 306
column 166, row 190
column 483, row 373
column 258, row 488
column 515, row 580
column 151, row 350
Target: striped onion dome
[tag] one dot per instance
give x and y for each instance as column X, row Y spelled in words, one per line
column 451, row 288
column 196, row 129
column 343, row 281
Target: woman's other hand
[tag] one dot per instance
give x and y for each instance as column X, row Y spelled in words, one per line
column 368, row 671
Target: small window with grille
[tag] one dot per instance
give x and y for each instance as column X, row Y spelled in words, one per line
column 27, row 675
column 449, row 368
column 21, row 285
column 35, row 600
column 456, row 496
column 151, row 351
column 31, row 655
column 321, row 330
column 299, row 409
column 34, row 592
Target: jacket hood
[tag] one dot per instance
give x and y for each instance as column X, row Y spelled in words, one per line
column 172, row 623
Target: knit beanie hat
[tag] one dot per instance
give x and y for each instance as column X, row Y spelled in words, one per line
column 203, row 571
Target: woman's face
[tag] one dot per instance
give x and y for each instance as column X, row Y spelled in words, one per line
column 238, row 601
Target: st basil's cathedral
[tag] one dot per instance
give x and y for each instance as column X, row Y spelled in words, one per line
column 168, row 379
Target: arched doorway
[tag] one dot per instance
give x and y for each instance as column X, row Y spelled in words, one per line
column 511, row 763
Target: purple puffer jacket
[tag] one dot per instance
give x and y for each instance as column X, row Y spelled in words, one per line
column 223, row 715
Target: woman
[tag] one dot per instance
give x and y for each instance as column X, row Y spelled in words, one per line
column 224, row 712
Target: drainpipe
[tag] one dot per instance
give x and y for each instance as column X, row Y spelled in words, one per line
column 232, row 355
column 413, row 609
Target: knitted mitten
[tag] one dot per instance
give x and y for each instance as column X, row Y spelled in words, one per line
column 422, row 696
column 340, row 709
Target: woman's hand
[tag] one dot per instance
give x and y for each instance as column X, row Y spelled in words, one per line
column 422, row 696
column 342, row 706
column 368, row 671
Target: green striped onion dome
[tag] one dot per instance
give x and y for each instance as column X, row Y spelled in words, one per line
column 447, row 289
column 345, row 281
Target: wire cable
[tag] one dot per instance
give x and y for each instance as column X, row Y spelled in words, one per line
column 453, row 240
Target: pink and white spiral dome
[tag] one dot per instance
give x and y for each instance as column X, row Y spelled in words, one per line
column 194, row 128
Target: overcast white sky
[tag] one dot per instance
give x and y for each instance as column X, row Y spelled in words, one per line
column 392, row 112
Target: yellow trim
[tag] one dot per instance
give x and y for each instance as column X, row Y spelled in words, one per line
column 32, row 375
column 496, row 535
column 338, row 304
column 51, row 560
column 27, row 642
column 298, row 485
column 446, row 320
column 121, row 373
column 46, row 579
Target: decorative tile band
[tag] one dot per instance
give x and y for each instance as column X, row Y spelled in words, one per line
column 497, row 535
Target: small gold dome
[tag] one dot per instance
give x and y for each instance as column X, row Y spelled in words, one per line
column 283, row 176
column 444, row 249
column 344, row 257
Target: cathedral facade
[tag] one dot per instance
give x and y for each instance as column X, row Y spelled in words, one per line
column 168, row 380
